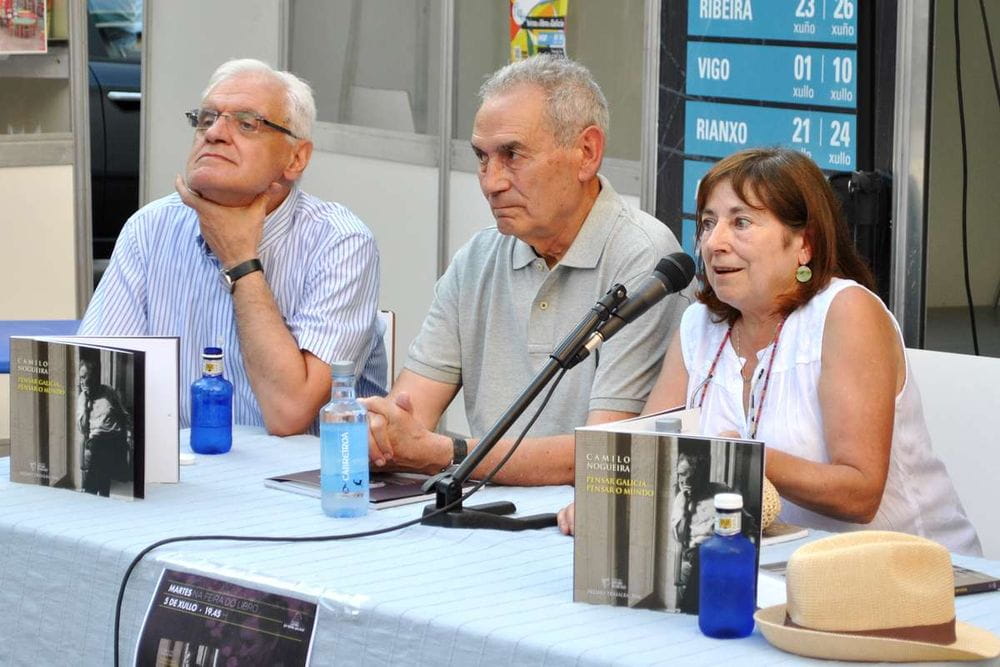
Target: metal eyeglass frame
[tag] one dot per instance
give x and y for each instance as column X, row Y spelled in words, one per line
column 248, row 117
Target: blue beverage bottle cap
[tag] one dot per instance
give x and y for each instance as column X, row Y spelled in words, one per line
column 728, row 501
column 342, row 368
column 212, row 352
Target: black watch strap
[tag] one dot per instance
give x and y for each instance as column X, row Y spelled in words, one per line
column 230, row 276
column 461, row 450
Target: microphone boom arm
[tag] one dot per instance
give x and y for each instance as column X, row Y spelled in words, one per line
column 448, row 484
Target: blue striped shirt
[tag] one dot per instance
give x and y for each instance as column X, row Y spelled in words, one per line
column 321, row 264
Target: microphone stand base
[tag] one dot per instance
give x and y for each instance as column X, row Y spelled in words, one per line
column 488, row 515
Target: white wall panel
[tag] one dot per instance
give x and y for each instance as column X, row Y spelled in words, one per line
column 37, row 252
column 37, row 246
column 399, row 203
column 186, row 41
column 469, row 211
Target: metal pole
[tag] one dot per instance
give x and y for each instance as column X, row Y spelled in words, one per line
column 909, row 166
column 650, row 107
column 445, row 95
column 80, row 126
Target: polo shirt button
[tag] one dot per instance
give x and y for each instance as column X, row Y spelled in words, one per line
column 543, row 305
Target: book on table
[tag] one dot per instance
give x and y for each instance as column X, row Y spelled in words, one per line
column 386, row 489
column 644, row 504
column 967, row 581
column 779, row 532
column 94, row 414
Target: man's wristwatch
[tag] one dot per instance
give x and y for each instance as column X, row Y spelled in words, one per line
column 230, row 276
column 460, row 451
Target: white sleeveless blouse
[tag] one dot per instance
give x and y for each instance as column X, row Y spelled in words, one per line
column 919, row 497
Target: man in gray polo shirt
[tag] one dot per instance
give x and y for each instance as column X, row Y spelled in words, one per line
column 563, row 237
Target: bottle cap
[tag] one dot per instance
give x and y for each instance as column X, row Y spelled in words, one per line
column 342, row 368
column 668, row 425
column 728, row 501
column 215, row 352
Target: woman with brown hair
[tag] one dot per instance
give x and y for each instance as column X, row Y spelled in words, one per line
column 789, row 346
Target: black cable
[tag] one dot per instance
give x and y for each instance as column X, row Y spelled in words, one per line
column 993, row 61
column 965, row 183
column 325, row 538
column 989, row 50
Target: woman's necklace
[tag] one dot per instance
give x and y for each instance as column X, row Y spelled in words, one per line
column 739, row 354
column 745, row 360
column 756, row 406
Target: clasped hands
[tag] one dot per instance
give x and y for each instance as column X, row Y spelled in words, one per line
column 398, row 441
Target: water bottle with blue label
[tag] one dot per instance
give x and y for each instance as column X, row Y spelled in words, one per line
column 343, row 432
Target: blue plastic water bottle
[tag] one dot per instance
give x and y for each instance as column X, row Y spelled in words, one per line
column 343, row 433
column 728, row 578
column 211, row 407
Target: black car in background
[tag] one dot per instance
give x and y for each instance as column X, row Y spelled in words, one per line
column 114, row 40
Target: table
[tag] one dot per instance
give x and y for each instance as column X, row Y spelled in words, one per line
column 422, row 595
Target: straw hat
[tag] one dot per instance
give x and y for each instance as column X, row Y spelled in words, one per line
column 770, row 505
column 873, row 595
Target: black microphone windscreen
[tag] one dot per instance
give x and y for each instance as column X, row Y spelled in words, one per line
column 678, row 268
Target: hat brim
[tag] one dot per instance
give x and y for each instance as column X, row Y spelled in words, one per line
column 971, row 643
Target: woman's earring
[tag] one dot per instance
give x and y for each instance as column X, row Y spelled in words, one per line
column 803, row 274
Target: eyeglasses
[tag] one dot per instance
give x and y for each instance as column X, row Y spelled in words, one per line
column 247, row 122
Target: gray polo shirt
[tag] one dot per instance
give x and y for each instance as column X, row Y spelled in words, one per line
column 499, row 311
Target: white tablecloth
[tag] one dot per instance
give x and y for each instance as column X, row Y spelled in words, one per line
column 418, row 596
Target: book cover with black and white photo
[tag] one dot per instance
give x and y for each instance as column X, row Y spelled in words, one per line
column 97, row 415
column 644, row 503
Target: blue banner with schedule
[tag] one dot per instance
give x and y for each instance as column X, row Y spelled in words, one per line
column 791, row 20
column 737, row 74
column 788, row 74
column 693, row 171
column 716, row 130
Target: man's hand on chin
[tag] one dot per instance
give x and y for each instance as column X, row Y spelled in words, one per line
column 232, row 232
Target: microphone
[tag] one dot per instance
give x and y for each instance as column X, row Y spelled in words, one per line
column 672, row 274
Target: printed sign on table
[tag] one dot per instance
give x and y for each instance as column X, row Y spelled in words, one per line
column 199, row 621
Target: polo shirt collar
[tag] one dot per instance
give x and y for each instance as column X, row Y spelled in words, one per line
column 586, row 249
column 276, row 224
column 523, row 255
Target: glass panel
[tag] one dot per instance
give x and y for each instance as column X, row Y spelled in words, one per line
column 372, row 63
column 950, row 308
column 604, row 36
column 115, row 30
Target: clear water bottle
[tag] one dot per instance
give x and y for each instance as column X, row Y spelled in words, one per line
column 343, row 433
column 728, row 578
column 211, row 407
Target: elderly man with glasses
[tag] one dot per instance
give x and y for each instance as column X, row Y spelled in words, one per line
column 241, row 257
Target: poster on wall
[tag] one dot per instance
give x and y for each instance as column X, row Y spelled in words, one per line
column 22, row 27
column 537, row 26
